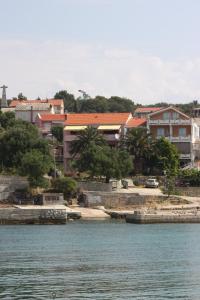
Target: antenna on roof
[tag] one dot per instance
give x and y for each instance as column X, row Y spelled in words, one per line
column 84, row 95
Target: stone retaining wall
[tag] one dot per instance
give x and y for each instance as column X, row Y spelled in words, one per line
column 95, row 186
column 189, row 191
column 117, row 200
column 32, row 216
column 15, row 182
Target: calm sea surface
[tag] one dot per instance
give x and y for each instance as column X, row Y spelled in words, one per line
column 100, row 260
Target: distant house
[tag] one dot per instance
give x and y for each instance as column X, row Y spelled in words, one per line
column 143, row 112
column 45, row 122
column 179, row 129
column 56, row 104
column 29, row 112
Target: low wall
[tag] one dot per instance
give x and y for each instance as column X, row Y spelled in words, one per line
column 117, row 200
column 189, row 191
column 32, row 216
column 15, row 182
column 95, row 186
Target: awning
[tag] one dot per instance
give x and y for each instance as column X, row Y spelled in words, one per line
column 75, row 128
column 109, row 127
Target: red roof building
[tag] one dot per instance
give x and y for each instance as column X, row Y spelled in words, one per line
column 98, row 118
column 57, row 104
column 136, row 122
column 46, row 121
column 111, row 125
column 143, row 112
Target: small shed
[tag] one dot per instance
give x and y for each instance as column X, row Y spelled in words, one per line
column 52, row 199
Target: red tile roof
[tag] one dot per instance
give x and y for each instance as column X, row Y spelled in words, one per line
column 53, row 117
column 57, row 102
column 147, row 109
column 97, row 118
column 136, row 122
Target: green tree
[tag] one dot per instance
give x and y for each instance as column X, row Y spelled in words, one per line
column 65, row 185
column 57, row 132
column 7, row 119
column 69, row 100
column 166, row 156
column 18, row 138
column 118, row 104
column 166, row 159
column 139, row 144
column 21, row 97
column 103, row 161
column 35, row 165
column 97, row 105
column 89, row 136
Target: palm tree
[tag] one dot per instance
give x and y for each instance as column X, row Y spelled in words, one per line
column 139, row 144
column 88, row 137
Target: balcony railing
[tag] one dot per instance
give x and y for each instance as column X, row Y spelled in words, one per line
column 168, row 122
column 176, row 138
column 111, row 137
column 185, row 156
column 180, row 138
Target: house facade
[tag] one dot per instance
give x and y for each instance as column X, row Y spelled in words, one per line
column 179, row 129
column 45, row 122
column 56, row 104
column 29, row 112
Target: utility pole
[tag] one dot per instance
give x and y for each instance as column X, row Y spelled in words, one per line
column 4, row 102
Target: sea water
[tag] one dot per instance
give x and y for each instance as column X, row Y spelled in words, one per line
column 100, row 260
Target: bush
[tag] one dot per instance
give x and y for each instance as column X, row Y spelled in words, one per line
column 65, row 185
column 191, row 176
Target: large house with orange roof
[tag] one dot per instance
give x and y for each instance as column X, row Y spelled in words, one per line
column 111, row 125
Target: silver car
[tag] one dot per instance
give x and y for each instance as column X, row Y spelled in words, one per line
column 152, row 183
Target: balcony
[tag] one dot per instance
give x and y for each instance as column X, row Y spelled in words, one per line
column 185, row 156
column 169, row 122
column 180, row 138
column 176, row 138
column 111, row 137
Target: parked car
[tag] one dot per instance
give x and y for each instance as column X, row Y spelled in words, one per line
column 151, row 183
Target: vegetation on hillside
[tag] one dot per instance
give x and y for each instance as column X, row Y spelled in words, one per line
column 22, row 150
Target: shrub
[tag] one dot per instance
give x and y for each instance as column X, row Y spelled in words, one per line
column 65, row 185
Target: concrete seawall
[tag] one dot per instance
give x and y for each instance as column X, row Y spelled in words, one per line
column 162, row 217
column 32, row 216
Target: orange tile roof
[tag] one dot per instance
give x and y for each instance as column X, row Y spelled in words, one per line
column 97, row 118
column 53, row 117
column 58, row 102
column 136, row 122
column 147, row 109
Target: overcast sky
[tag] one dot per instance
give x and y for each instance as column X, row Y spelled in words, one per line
column 146, row 50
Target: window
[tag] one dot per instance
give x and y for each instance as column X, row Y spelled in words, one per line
column 182, row 131
column 160, row 132
column 166, row 116
column 175, row 115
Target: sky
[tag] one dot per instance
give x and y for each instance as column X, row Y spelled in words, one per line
column 145, row 50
